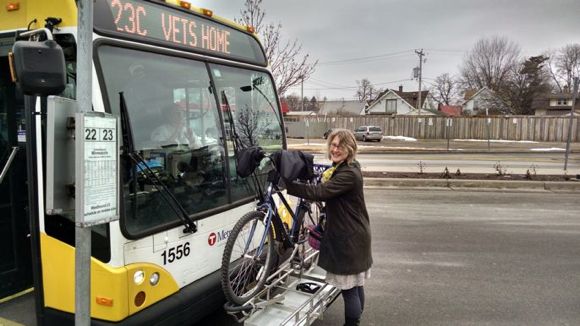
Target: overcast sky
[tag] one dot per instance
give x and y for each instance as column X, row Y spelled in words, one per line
column 376, row 39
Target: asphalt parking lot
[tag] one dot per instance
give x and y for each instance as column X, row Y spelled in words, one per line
column 445, row 257
column 449, row 257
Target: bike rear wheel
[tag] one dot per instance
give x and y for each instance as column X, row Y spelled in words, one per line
column 247, row 259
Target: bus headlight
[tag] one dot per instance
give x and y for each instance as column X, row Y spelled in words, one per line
column 154, row 279
column 138, row 277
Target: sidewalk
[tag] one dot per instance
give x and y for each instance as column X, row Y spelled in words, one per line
column 391, row 144
column 475, row 185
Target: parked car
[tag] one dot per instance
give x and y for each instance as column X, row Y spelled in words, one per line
column 369, row 133
column 326, row 133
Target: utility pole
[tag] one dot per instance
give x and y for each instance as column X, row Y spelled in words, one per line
column 420, row 54
column 302, row 93
column 574, row 95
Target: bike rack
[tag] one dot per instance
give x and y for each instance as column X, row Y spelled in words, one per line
column 280, row 286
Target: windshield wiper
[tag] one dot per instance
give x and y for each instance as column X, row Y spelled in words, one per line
column 237, row 142
column 130, row 153
column 236, row 139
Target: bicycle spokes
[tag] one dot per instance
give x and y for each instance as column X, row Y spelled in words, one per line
column 247, row 258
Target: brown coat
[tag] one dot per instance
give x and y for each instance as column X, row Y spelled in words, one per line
column 346, row 247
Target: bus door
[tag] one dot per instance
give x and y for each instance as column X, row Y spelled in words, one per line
column 15, row 261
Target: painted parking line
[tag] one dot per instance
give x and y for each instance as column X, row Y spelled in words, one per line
column 16, row 295
column 6, row 322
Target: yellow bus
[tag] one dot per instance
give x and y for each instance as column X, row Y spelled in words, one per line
column 193, row 87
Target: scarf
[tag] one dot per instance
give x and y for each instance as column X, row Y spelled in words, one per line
column 326, row 175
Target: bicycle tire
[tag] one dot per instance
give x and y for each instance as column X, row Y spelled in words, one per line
column 243, row 273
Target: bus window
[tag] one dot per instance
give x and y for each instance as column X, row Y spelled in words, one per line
column 250, row 108
column 176, row 128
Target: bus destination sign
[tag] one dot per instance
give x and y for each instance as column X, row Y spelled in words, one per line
column 173, row 27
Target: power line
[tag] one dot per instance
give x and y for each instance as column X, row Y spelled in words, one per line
column 352, row 87
column 327, row 88
column 447, row 51
column 394, row 81
column 327, row 83
column 365, row 59
column 377, row 57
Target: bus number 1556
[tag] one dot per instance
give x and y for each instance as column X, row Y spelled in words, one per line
column 175, row 253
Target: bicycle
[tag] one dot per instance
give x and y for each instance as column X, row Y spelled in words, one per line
column 250, row 252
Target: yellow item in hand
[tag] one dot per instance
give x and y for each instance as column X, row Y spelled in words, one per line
column 285, row 215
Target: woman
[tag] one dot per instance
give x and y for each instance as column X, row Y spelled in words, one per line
column 345, row 251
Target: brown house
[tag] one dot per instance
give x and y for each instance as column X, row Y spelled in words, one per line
column 450, row 110
column 555, row 104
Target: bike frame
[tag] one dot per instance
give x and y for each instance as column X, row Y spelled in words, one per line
column 268, row 206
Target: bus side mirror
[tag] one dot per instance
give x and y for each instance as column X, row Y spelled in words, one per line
column 39, row 67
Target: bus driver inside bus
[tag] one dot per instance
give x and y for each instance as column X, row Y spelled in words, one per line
column 175, row 131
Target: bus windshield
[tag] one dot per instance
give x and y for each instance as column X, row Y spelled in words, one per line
column 177, row 129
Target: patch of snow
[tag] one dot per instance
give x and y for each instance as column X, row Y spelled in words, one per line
column 400, row 138
column 551, row 149
column 396, row 147
column 499, row 141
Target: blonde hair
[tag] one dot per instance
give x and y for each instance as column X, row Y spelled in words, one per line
column 346, row 141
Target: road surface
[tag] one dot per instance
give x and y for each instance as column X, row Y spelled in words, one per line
column 469, row 258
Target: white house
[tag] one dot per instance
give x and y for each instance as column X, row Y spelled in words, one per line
column 400, row 103
column 300, row 113
column 482, row 100
column 340, row 107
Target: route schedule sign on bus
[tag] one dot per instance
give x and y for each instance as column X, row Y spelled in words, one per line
column 175, row 27
column 97, row 168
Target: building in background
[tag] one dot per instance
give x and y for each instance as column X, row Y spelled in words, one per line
column 450, row 110
column 394, row 102
column 482, row 101
column 555, row 104
column 341, row 107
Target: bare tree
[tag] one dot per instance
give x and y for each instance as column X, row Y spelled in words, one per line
column 247, row 126
column 289, row 66
column 366, row 90
column 252, row 124
column 489, row 63
column 444, row 90
column 564, row 65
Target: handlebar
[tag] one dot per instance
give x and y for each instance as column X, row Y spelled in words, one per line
column 291, row 165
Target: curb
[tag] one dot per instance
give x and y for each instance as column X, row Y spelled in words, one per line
column 554, row 186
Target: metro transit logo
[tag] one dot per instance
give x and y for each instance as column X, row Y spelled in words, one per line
column 220, row 236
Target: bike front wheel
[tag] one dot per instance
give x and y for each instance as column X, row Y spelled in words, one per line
column 248, row 258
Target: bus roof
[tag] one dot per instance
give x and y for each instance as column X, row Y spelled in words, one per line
column 162, row 17
column 17, row 14
column 24, row 14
